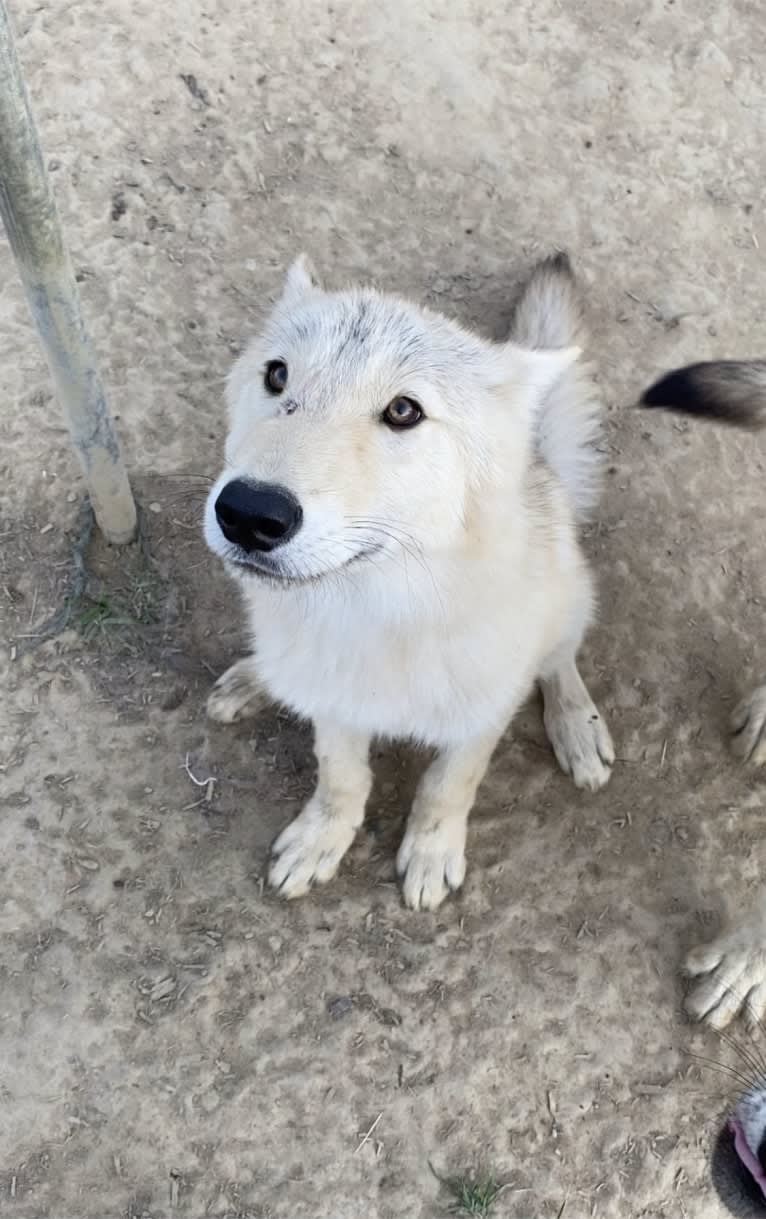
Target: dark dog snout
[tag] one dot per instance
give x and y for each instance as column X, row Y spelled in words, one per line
column 257, row 516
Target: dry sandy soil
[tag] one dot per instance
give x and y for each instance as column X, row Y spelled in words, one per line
column 173, row 1039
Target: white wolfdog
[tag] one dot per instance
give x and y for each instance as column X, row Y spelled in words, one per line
column 400, row 505
column 733, row 967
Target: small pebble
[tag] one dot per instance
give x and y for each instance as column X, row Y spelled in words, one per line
column 339, row 1006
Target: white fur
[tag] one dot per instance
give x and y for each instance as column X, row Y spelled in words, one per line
column 549, row 314
column 437, row 573
column 731, row 971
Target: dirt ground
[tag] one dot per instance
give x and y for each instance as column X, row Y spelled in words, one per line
column 174, row 1040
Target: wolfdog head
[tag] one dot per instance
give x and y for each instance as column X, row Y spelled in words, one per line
column 361, row 426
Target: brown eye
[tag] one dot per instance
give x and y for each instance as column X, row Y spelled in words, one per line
column 402, row 413
column 275, row 376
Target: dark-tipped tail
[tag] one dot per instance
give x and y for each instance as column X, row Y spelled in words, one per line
column 732, row 391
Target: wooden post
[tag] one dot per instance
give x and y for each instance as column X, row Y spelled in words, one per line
column 31, row 220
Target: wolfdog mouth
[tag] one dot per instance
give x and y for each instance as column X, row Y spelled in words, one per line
column 262, row 569
column 736, row 1173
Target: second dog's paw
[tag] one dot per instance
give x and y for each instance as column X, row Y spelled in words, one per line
column 732, row 978
column 431, row 862
column 748, row 726
column 309, row 850
column 236, row 695
column 582, row 745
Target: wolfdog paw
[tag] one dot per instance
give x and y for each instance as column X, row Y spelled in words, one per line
column 748, row 725
column 735, row 969
column 431, row 862
column 309, row 850
column 236, row 695
column 582, row 745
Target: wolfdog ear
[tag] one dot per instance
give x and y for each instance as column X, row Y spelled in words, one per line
column 301, row 280
column 537, row 369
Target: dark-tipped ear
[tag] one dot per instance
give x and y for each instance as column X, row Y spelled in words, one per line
column 300, row 282
column 733, row 391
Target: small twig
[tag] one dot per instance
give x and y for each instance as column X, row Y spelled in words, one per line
column 208, row 783
column 366, row 1137
column 551, row 1103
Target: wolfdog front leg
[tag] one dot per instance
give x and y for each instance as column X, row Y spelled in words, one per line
column 310, row 849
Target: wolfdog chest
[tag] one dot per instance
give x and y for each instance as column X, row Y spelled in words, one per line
column 440, row 678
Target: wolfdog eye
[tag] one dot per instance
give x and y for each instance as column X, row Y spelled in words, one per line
column 275, row 376
column 402, row 413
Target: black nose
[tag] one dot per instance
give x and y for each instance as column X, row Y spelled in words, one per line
column 257, row 516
